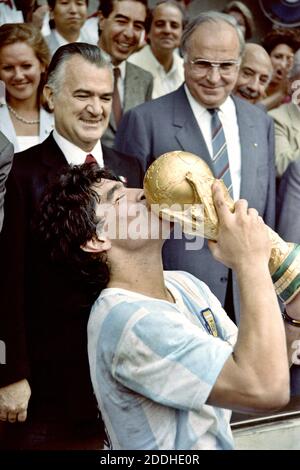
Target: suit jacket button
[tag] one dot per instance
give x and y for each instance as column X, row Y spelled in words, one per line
column 224, row 279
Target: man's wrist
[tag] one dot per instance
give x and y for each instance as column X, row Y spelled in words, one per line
column 290, row 320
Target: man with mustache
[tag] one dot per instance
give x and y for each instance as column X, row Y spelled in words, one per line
column 122, row 24
column 254, row 75
column 44, row 310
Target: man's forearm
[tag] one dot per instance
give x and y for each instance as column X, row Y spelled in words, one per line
column 261, row 347
column 293, row 331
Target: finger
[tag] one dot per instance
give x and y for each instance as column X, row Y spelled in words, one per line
column 12, row 417
column 219, row 201
column 22, row 416
column 241, row 206
column 213, row 246
column 3, row 416
column 253, row 213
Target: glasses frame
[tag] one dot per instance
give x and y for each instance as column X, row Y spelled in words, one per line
column 215, row 64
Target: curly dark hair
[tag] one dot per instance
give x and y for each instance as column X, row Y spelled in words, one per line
column 281, row 36
column 67, row 219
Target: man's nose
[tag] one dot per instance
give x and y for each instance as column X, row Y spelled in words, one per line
column 253, row 83
column 73, row 8
column 167, row 28
column 129, row 31
column 140, row 195
column 135, row 194
column 95, row 107
column 213, row 75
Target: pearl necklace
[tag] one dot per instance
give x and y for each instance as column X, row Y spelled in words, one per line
column 20, row 118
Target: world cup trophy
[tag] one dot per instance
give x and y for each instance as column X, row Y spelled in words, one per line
column 178, row 187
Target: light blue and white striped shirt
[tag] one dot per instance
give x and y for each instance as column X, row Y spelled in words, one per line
column 154, row 363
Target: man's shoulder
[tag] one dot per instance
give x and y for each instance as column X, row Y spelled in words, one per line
column 33, row 154
column 32, row 161
column 110, row 153
column 282, row 112
column 159, row 105
column 253, row 112
column 137, row 71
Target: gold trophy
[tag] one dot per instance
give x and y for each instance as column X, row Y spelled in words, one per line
column 178, row 187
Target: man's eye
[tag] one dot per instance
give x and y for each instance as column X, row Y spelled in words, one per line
column 201, row 64
column 226, row 65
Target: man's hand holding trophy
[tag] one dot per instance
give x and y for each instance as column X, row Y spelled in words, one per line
column 178, row 185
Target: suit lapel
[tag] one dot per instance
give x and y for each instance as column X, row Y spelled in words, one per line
column 51, row 154
column 130, row 87
column 188, row 134
column 249, row 150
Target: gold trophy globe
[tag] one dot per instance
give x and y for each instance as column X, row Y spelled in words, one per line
column 178, row 187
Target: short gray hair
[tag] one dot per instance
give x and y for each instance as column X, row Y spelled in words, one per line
column 295, row 70
column 88, row 52
column 210, row 17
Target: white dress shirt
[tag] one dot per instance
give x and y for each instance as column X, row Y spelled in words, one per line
column 75, row 155
column 228, row 118
column 163, row 82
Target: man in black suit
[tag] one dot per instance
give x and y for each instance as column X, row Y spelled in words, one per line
column 45, row 307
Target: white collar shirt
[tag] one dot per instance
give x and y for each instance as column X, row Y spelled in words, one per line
column 228, row 118
column 164, row 82
column 75, row 155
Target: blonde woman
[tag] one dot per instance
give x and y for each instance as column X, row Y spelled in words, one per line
column 24, row 58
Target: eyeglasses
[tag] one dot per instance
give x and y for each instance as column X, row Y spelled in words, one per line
column 202, row 66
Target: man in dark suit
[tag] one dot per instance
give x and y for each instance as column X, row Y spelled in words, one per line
column 122, row 25
column 6, row 156
column 44, row 307
column 212, row 47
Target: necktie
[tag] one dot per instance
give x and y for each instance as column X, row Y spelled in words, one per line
column 90, row 159
column 220, row 156
column 116, row 104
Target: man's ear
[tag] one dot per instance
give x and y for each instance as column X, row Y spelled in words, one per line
column 97, row 245
column 101, row 20
column 48, row 94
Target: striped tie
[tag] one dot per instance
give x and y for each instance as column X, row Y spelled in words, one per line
column 116, row 104
column 220, row 160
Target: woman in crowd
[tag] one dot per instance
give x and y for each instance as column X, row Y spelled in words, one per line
column 243, row 17
column 67, row 18
column 281, row 45
column 24, row 58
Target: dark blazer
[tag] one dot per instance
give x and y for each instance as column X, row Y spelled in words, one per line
column 288, row 200
column 6, row 156
column 45, row 309
column 138, row 88
column 167, row 124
